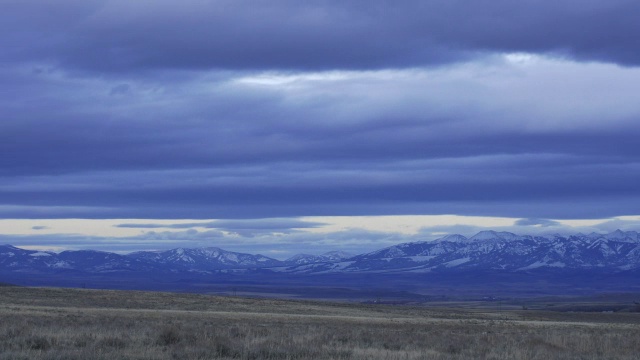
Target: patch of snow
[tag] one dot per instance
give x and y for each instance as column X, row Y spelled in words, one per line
column 395, row 252
column 60, row 265
column 336, row 255
column 231, row 257
column 422, row 270
column 457, row 262
column 539, row 264
column 185, row 258
column 341, row 265
column 421, row 258
column 40, row 253
column 534, row 265
column 627, row 267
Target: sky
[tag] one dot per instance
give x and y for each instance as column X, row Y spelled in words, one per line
column 307, row 126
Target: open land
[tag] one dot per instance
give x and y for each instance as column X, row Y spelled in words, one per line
column 55, row 323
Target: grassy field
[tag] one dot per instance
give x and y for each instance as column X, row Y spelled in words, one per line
column 47, row 323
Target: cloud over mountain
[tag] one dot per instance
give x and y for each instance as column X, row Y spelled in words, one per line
column 282, row 109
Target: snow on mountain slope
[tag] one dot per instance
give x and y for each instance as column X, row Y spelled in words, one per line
column 303, row 259
column 328, row 257
column 336, row 255
column 204, row 259
column 506, row 251
column 487, row 250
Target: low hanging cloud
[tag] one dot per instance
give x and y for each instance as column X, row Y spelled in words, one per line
column 245, row 228
column 537, row 222
column 39, row 227
column 283, row 244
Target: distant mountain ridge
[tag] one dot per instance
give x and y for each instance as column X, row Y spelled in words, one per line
column 203, row 259
column 490, row 250
column 487, row 250
column 331, row 256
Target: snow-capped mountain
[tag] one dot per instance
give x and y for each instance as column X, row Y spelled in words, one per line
column 487, row 250
column 204, row 259
column 15, row 258
column 176, row 260
column 328, row 257
column 490, row 250
column 22, row 260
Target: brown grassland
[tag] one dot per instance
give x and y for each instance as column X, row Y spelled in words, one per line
column 48, row 323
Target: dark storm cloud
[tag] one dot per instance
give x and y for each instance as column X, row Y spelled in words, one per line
column 114, row 36
column 497, row 190
column 146, row 109
column 178, row 156
column 54, row 124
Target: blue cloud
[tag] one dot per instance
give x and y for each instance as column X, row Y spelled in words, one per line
column 246, row 228
column 285, row 34
column 534, row 222
column 331, row 108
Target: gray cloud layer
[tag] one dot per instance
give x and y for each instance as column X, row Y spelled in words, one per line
column 231, row 109
column 125, row 36
column 245, row 228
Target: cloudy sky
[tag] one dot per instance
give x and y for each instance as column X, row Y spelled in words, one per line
column 305, row 126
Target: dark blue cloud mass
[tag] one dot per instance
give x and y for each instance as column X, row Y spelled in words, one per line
column 251, row 109
column 125, row 36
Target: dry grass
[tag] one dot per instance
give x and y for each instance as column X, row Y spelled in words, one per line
column 92, row 324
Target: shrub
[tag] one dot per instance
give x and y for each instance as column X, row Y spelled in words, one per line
column 168, row 336
column 38, row 343
column 112, row 342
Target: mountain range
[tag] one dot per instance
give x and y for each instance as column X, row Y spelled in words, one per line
column 617, row 251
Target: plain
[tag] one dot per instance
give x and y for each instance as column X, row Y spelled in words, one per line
column 53, row 323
